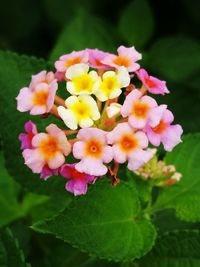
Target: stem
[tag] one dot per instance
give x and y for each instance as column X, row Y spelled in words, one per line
column 72, row 141
column 143, row 90
column 54, row 112
column 123, row 120
column 59, row 101
column 99, row 104
column 68, row 132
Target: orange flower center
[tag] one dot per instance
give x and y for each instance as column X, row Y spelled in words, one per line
column 140, row 109
column 49, row 147
column 94, row 148
column 122, row 61
column 160, row 127
column 72, row 61
column 40, row 98
column 128, row 143
column 150, row 83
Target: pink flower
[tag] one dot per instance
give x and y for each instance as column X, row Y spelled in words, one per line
column 78, row 180
column 95, row 58
column 153, row 85
column 26, row 138
column 39, row 96
column 163, row 132
column 93, row 150
column 129, row 145
column 138, row 108
column 127, row 57
column 46, row 172
column 48, row 149
column 73, row 58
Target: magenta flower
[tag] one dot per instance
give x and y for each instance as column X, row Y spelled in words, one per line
column 46, row 172
column 48, row 149
column 73, row 58
column 153, row 84
column 93, row 151
column 127, row 57
column 129, row 145
column 138, row 108
column 78, row 180
column 38, row 98
column 163, row 132
column 96, row 57
column 26, row 138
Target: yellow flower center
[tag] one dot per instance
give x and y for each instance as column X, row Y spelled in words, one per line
column 81, row 110
column 83, row 82
column 109, row 84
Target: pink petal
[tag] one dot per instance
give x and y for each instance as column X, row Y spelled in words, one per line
column 87, row 133
column 137, row 123
column 142, row 138
column 119, row 156
column 149, row 100
column 154, row 138
column 107, row 154
column 38, row 138
column 34, row 160
column 38, row 110
column 132, row 97
column 171, row 137
column 52, row 92
column 76, row 187
column 78, row 150
column 139, row 157
column 56, row 161
column 91, row 166
column 168, row 116
column 155, row 115
column 24, row 100
column 120, row 129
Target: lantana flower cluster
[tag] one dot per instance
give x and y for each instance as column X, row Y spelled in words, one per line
column 107, row 114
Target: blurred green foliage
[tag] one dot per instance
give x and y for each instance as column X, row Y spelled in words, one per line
column 167, row 33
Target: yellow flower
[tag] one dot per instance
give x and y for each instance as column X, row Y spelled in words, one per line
column 81, row 110
column 112, row 83
column 81, row 81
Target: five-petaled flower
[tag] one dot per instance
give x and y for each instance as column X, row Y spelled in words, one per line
column 127, row 57
column 81, row 110
column 47, row 149
column 138, row 108
column 153, row 84
column 129, row 145
column 112, row 84
column 163, row 132
column 81, row 80
column 93, row 151
column 38, row 98
column 78, row 180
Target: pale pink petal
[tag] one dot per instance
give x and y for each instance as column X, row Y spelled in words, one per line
column 51, row 97
column 78, row 150
column 60, row 66
column 149, row 100
column 168, row 116
column 156, row 114
column 171, row 137
column 107, row 154
column 137, row 123
column 87, row 133
column 57, row 161
column 34, row 160
column 38, row 138
column 77, row 187
column 118, row 154
column 24, row 100
column 139, row 157
column 132, row 97
column 37, row 110
column 142, row 138
column 37, row 78
column 95, row 58
column 129, row 52
column 91, row 166
column 153, row 137
column 120, row 129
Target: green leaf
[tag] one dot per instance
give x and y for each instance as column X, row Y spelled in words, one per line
column 84, row 31
column 10, row 253
column 136, row 24
column 185, row 195
column 9, row 206
column 107, row 223
column 175, row 249
column 175, row 58
column 15, row 73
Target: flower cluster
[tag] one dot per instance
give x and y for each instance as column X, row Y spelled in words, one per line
column 107, row 121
